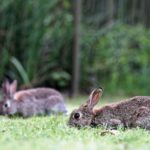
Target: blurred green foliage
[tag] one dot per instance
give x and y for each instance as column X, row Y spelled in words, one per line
column 118, row 59
column 36, row 39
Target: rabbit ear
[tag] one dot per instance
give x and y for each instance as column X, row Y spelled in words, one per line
column 5, row 87
column 13, row 88
column 94, row 97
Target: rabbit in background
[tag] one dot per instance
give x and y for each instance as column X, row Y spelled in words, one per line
column 31, row 102
column 133, row 112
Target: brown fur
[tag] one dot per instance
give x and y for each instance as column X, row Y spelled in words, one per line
column 132, row 112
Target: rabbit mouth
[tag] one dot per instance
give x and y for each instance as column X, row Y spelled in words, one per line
column 78, row 125
column 9, row 113
column 73, row 124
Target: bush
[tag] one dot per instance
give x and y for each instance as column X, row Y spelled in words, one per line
column 118, row 60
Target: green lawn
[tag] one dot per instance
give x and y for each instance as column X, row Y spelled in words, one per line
column 43, row 133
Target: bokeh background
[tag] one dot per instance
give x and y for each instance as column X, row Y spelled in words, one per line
column 76, row 45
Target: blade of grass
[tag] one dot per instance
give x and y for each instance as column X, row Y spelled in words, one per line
column 20, row 69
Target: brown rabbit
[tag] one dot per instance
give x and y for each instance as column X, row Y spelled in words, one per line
column 132, row 112
column 31, row 102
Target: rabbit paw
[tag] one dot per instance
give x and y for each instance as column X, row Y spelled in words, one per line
column 111, row 132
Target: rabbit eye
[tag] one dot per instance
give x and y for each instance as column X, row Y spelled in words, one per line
column 77, row 115
column 5, row 105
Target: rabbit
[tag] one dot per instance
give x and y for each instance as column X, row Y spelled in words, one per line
column 133, row 112
column 31, row 102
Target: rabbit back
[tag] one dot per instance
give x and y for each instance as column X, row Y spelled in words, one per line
column 121, row 112
column 38, row 93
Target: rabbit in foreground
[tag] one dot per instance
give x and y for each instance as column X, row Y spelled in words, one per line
column 31, row 102
column 133, row 112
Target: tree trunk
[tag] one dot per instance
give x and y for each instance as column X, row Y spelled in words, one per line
column 76, row 49
column 110, row 12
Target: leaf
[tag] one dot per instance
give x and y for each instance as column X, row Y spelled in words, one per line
column 20, row 69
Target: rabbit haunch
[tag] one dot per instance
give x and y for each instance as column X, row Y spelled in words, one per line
column 132, row 112
column 31, row 102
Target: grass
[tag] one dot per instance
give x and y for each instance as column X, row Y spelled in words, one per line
column 53, row 133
